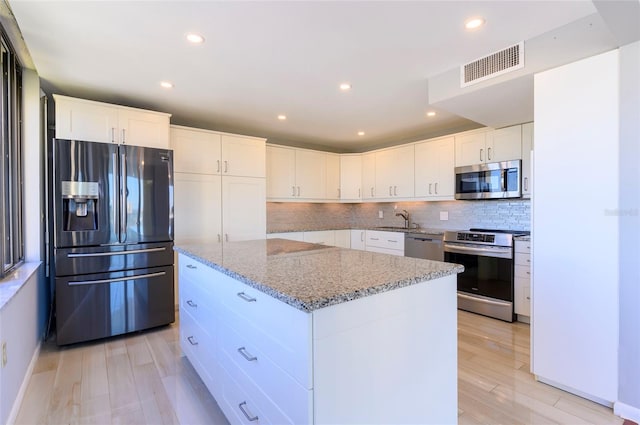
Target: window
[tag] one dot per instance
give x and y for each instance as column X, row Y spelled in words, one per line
column 11, row 230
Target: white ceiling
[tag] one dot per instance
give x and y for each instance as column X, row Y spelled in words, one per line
column 261, row 59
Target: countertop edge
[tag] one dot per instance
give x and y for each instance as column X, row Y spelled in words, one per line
column 325, row 302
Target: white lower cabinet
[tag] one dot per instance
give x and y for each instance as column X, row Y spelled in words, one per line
column 384, row 242
column 266, row 362
column 358, row 239
column 522, row 280
column 342, row 238
column 323, row 237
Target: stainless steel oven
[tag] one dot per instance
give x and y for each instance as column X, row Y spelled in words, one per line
column 497, row 180
column 486, row 285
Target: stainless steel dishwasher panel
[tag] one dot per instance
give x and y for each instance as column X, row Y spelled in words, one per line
column 424, row 245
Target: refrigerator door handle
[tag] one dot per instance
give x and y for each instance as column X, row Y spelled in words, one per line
column 115, row 194
column 123, row 198
column 108, row 254
column 119, row 279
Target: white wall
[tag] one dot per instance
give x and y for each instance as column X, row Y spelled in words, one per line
column 575, row 227
column 629, row 356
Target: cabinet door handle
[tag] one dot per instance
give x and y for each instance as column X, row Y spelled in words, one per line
column 392, row 241
column 489, row 154
column 528, row 273
column 192, row 340
column 192, row 304
column 219, row 238
column 123, row 138
column 359, row 196
column 528, row 298
column 298, row 190
column 372, row 191
column 218, row 170
column 429, row 188
column 249, row 416
column 436, row 187
column 361, row 236
column 226, row 237
column 481, row 155
column 390, row 188
column 246, row 297
column 226, row 166
column 244, row 353
column 374, row 239
column 339, row 193
column 191, row 266
column 526, row 183
column 293, row 191
column 113, row 134
column 395, row 190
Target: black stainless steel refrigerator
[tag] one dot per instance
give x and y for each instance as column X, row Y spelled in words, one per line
column 112, row 218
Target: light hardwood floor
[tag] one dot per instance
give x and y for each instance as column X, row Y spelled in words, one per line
column 144, row 379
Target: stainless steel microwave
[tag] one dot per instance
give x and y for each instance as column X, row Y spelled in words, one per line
column 498, row 180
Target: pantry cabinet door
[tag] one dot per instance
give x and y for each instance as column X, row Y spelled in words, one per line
column 197, row 214
column 244, row 208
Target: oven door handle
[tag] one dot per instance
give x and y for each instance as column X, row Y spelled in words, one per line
column 484, row 300
column 487, row 252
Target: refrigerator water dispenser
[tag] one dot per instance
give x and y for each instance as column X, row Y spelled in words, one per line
column 79, row 205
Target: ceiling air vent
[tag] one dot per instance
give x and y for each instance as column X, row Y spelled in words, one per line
column 490, row 66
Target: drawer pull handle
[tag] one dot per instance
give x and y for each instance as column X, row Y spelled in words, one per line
column 389, row 240
column 244, row 353
column 191, row 266
column 192, row 304
column 528, row 272
column 374, row 239
column 249, row 417
column 192, row 340
column 246, row 297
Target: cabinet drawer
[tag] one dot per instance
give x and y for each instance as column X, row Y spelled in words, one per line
column 523, row 246
column 522, row 271
column 523, row 259
column 236, row 404
column 199, row 304
column 522, row 304
column 242, row 353
column 389, row 240
column 389, row 251
column 282, row 332
column 199, row 347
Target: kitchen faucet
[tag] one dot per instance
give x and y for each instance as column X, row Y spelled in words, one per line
column 404, row 214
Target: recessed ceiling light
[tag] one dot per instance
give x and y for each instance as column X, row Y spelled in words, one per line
column 166, row 84
column 474, row 23
column 345, row 86
column 195, row 38
column 282, row 117
column 360, row 133
column 431, row 114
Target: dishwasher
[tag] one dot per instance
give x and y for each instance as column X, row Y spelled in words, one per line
column 427, row 246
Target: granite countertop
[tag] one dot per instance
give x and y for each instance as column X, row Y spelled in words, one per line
column 312, row 276
column 382, row 228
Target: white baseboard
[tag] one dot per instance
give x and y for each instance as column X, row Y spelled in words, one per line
column 579, row 393
column 626, row 412
column 23, row 387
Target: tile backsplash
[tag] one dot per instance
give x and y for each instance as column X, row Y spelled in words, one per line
column 513, row 214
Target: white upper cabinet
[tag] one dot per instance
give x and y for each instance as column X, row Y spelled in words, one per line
column 243, row 156
column 369, row 176
column 471, row 149
column 503, row 144
column 351, row 177
column 434, row 169
column 281, row 172
column 302, row 174
column 527, row 147
column 332, row 178
column 310, row 174
column 394, row 173
column 82, row 119
column 209, row 152
column 195, row 151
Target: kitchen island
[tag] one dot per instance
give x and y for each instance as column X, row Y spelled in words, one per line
column 290, row 332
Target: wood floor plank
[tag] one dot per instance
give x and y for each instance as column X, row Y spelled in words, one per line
column 37, row 395
column 153, row 396
column 122, row 390
column 64, row 405
column 94, row 373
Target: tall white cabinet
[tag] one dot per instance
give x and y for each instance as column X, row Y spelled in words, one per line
column 220, row 187
column 575, row 311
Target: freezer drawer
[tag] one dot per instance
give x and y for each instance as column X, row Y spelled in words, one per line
column 95, row 306
column 103, row 259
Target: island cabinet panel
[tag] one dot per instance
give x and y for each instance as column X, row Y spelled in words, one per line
column 403, row 339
